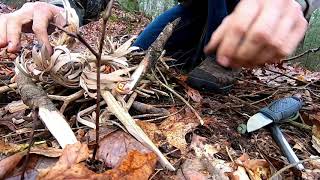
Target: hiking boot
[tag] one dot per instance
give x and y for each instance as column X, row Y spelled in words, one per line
column 210, row 76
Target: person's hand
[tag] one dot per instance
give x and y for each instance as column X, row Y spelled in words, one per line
column 258, row 32
column 31, row 17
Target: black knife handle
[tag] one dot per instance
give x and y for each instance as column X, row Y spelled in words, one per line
column 282, row 109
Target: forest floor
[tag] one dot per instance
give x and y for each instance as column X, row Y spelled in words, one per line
column 216, row 150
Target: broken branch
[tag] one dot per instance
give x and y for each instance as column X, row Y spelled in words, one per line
column 35, row 97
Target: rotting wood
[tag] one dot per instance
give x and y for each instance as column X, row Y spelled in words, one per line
column 35, row 97
column 132, row 127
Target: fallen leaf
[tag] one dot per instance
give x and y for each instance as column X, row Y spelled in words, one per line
column 46, row 151
column 114, row 147
column 10, row 148
column 72, row 154
column 239, row 174
column 193, row 169
column 256, row 168
column 8, row 164
column 134, row 166
column 203, row 149
column 103, row 132
column 151, row 130
column 176, row 127
column 205, row 152
column 175, row 134
column 194, row 94
column 311, row 174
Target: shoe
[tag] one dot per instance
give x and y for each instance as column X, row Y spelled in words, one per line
column 210, row 76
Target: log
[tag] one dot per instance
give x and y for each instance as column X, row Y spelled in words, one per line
column 35, row 97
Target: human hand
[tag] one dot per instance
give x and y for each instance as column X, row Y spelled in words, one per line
column 32, row 17
column 258, row 32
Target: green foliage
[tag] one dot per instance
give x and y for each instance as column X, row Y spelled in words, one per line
column 129, row 5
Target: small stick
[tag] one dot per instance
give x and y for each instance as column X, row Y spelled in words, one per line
column 98, row 65
column 147, row 116
column 142, row 93
column 302, row 54
column 290, row 77
column 162, row 61
column 181, row 98
column 165, row 81
column 266, row 98
column 145, row 90
column 133, row 98
column 160, row 92
column 292, row 165
column 31, row 141
column 67, row 99
column 302, row 126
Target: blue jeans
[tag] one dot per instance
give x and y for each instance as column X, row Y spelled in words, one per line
column 189, row 36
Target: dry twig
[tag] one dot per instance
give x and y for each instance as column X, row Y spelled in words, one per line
column 181, row 98
column 302, row 54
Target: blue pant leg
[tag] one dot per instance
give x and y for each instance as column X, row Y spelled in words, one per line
column 152, row 31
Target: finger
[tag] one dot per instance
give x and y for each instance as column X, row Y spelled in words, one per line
column 293, row 38
column 285, row 27
column 40, row 28
column 13, row 34
column 260, row 34
column 3, row 31
column 216, row 38
column 241, row 21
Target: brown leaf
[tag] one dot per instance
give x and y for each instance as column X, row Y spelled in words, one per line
column 8, row 164
column 239, row 174
column 256, row 168
column 151, row 130
column 72, row 154
column 176, row 132
column 193, row 169
column 194, row 95
column 114, row 147
column 135, row 166
column 202, row 148
column 46, row 151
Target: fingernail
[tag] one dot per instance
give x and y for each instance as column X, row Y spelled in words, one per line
column 223, row 61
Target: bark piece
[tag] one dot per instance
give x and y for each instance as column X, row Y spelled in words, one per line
column 125, row 118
